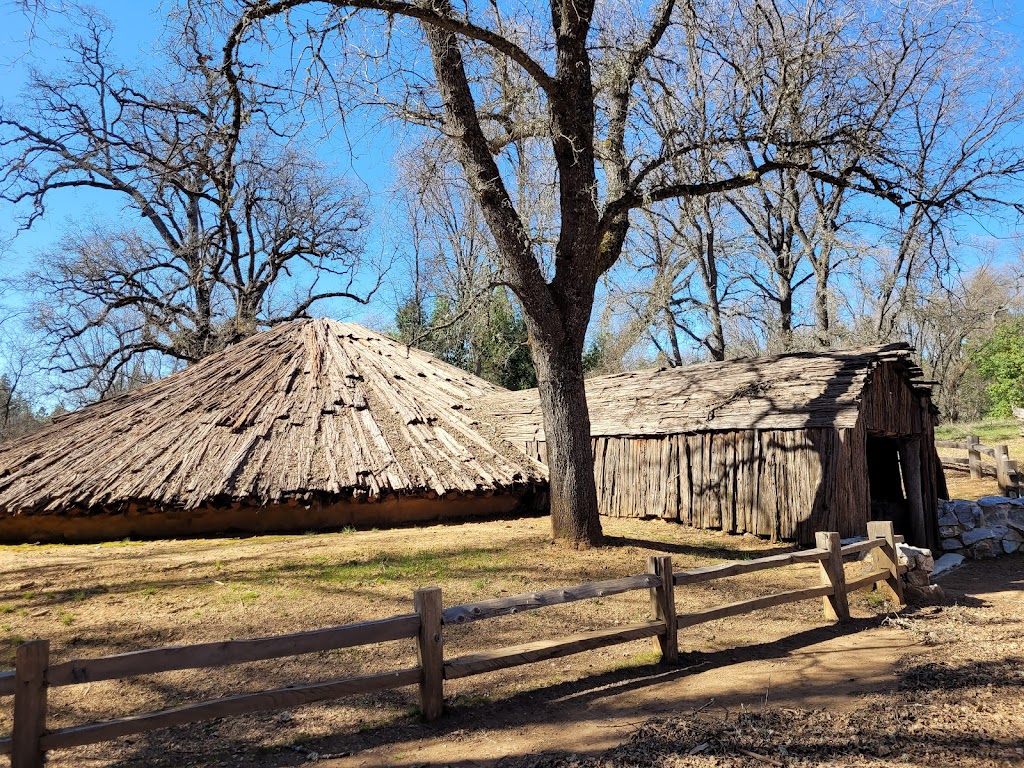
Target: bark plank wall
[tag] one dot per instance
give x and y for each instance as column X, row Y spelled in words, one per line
column 777, row 446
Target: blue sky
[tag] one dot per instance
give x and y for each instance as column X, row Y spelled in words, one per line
column 364, row 155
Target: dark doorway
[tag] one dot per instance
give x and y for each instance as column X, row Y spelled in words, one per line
column 894, row 476
column 888, row 497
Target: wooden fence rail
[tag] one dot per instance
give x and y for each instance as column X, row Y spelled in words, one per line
column 33, row 675
column 1002, row 468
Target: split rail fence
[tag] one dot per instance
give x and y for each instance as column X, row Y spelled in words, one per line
column 34, row 674
column 1002, row 468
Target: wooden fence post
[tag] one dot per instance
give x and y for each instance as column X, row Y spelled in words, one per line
column 1013, row 476
column 1003, row 469
column 836, row 605
column 430, row 650
column 663, row 600
column 31, row 661
column 974, row 457
column 887, row 558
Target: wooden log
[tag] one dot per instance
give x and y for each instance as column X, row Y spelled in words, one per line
column 514, row 656
column 663, row 601
column 6, row 684
column 974, row 456
column 232, row 651
column 747, row 606
column 886, row 559
column 31, row 661
column 502, row 606
column 430, row 650
column 723, row 570
column 862, row 581
column 1002, row 470
column 910, row 462
column 835, row 604
column 278, row 698
column 860, row 546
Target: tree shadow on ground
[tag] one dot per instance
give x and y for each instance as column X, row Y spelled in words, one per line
column 568, row 702
column 711, row 550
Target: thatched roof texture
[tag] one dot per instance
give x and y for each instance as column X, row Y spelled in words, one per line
column 793, row 391
column 309, row 409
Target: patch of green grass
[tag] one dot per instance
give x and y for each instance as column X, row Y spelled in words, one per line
column 637, row 660
column 7, row 609
column 875, row 599
column 66, row 618
column 989, row 430
column 418, row 566
column 149, row 591
column 125, row 542
column 28, row 595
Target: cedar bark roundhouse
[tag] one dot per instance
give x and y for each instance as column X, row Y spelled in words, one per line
column 777, row 446
column 311, row 424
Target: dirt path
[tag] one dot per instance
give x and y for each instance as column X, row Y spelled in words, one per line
column 822, row 668
column 819, row 668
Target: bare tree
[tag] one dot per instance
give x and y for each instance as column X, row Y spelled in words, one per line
column 237, row 230
column 577, row 70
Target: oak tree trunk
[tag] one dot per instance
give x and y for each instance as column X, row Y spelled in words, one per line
column 574, row 517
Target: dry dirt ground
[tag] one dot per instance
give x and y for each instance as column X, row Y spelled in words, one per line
column 949, row 676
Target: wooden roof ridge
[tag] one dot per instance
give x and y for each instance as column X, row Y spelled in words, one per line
column 311, row 409
column 786, row 391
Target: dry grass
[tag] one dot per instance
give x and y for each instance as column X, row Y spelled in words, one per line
column 992, row 432
column 93, row 600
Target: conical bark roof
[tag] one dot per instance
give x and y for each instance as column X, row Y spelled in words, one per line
column 309, row 409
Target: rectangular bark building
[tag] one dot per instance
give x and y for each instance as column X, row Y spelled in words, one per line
column 777, row 446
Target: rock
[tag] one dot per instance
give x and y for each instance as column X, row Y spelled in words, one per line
column 1013, row 535
column 947, row 513
column 950, row 531
column 1015, row 518
column 915, row 558
column 1009, row 547
column 985, row 548
column 968, row 513
column 917, row 578
column 951, row 544
column 972, row 537
column 947, row 562
column 929, row 595
column 991, row 501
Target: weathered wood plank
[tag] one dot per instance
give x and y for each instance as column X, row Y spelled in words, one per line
column 747, row 606
column 30, row 664
column 861, row 546
column 430, row 651
column 885, row 558
column 835, row 605
column 503, row 606
column 278, row 698
column 514, row 656
column 722, row 570
column 863, row 581
column 663, row 601
column 227, row 652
